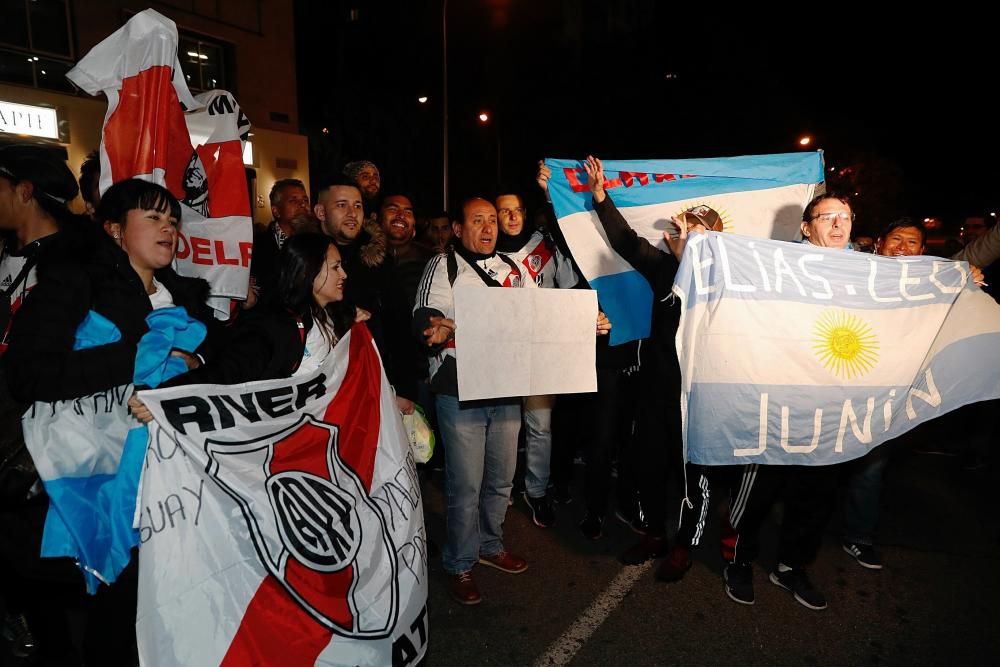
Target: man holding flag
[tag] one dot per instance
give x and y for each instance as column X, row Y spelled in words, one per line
column 659, row 420
column 633, row 274
column 863, row 488
column 808, row 491
column 837, row 353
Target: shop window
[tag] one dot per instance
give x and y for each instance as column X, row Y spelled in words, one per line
column 36, row 47
column 206, row 64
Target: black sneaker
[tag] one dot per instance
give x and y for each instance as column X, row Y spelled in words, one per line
column 865, row 554
column 739, row 582
column 561, row 494
column 647, row 548
column 17, row 632
column 796, row 581
column 591, row 526
column 635, row 521
column 541, row 510
column 973, row 462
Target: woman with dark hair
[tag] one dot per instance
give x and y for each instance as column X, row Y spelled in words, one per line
column 122, row 278
column 292, row 332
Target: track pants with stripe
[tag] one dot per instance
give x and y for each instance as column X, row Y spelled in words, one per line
column 702, row 482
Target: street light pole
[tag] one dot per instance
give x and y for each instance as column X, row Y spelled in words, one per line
column 444, row 103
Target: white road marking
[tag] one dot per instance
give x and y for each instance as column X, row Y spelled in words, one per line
column 562, row 650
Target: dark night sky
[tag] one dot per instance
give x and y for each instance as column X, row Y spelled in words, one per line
column 563, row 78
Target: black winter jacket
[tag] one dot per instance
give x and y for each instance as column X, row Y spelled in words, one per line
column 658, row 356
column 85, row 270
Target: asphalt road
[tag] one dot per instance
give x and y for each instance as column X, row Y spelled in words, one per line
column 933, row 603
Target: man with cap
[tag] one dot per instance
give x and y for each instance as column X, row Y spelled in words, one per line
column 366, row 175
column 35, row 187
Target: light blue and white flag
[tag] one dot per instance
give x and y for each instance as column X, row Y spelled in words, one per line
column 89, row 452
column 756, row 195
column 795, row 354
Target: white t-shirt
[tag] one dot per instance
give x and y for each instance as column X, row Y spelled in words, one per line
column 10, row 268
column 161, row 298
column 315, row 352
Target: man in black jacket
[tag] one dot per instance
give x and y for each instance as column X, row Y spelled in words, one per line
column 34, row 188
column 362, row 247
column 289, row 203
column 406, row 261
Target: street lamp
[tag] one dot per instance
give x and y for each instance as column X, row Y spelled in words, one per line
column 485, row 119
column 805, row 141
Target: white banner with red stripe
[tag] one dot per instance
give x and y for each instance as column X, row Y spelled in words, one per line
column 148, row 135
column 281, row 522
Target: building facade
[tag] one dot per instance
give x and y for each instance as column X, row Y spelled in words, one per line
column 244, row 46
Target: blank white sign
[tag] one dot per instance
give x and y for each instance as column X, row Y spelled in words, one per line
column 524, row 342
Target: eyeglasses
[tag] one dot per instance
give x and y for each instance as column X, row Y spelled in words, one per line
column 830, row 217
column 509, row 212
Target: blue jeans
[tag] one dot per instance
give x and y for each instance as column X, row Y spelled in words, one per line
column 862, row 494
column 480, row 456
column 537, row 443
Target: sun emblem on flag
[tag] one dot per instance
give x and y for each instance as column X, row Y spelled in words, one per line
column 845, row 344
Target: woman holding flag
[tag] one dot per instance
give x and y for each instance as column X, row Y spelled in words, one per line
column 76, row 336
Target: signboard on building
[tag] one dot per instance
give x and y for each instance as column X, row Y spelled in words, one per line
column 31, row 120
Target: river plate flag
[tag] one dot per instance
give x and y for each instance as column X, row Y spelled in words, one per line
column 148, row 130
column 281, row 522
column 754, row 195
column 795, row 354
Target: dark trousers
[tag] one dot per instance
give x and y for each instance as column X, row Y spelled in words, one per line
column 808, row 494
column 660, row 454
column 569, row 429
column 862, row 493
column 611, row 419
column 50, row 590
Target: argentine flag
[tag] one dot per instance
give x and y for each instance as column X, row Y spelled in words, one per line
column 756, row 195
column 90, row 451
column 796, row 354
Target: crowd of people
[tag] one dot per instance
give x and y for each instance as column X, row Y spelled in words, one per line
column 353, row 251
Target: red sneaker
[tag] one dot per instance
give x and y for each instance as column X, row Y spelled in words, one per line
column 675, row 565
column 505, row 562
column 464, row 590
